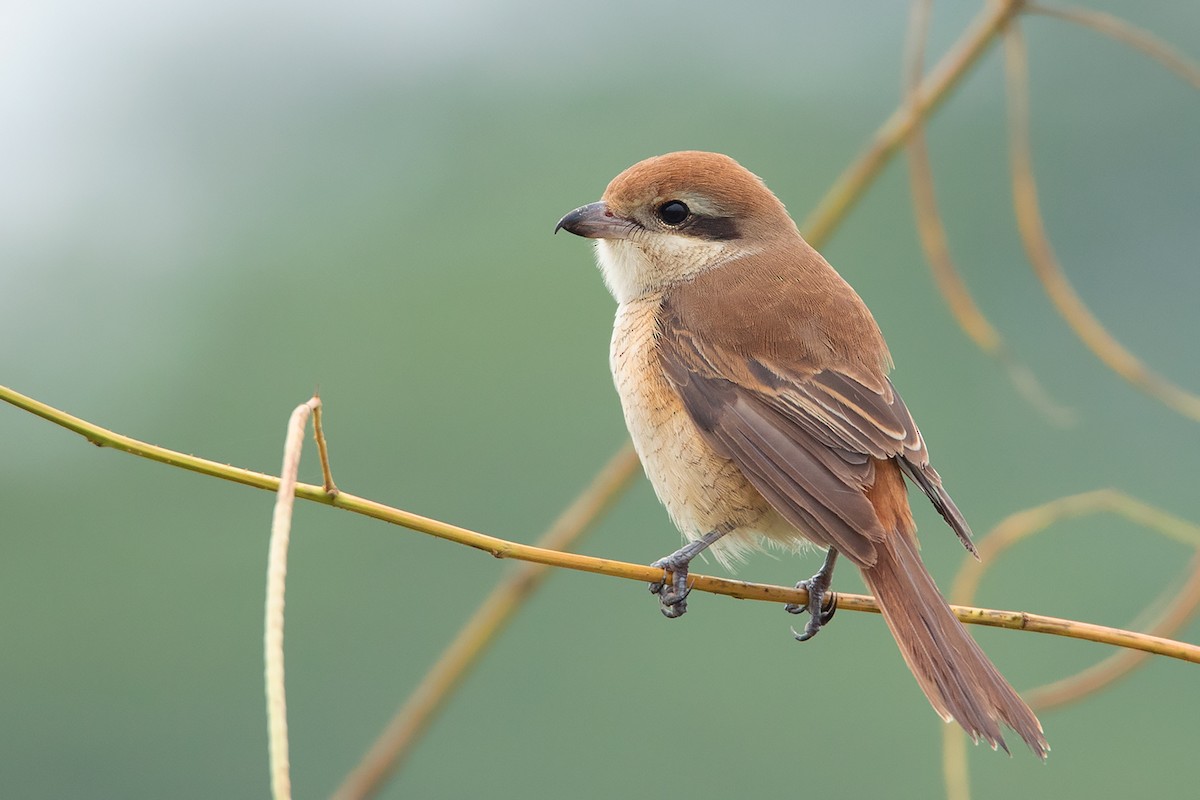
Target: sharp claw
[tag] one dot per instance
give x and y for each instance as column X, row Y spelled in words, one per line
column 828, row 613
column 809, row 632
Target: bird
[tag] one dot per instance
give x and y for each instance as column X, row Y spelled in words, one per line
column 755, row 385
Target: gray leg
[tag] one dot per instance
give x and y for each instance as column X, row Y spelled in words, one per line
column 672, row 593
column 818, row 589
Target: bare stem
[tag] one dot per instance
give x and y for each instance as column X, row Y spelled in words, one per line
column 501, row 548
column 323, row 449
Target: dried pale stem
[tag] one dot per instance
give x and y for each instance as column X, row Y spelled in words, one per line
column 935, row 242
column 1126, row 33
column 942, row 79
column 281, row 527
column 1041, row 255
column 414, row 716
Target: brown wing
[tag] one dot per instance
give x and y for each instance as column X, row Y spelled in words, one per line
column 803, row 429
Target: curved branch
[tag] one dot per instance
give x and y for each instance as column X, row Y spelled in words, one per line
column 936, row 246
column 501, row 548
column 1041, row 255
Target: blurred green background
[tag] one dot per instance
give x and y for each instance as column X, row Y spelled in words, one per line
column 208, row 209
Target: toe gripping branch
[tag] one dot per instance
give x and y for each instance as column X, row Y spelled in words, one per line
column 673, row 589
column 818, row 589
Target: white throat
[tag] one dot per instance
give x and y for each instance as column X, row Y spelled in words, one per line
column 636, row 267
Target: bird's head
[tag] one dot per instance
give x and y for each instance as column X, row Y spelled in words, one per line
column 669, row 218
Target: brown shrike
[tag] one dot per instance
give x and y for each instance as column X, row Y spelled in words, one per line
column 754, row 384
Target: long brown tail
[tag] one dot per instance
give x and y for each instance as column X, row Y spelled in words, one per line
column 956, row 676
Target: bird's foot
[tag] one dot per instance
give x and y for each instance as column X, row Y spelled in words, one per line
column 672, row 590
column 818, row 590
column 819, row 615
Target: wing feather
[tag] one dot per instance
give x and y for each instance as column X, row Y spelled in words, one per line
column 804, row 435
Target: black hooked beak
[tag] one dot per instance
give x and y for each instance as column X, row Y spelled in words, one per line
column 596, row 221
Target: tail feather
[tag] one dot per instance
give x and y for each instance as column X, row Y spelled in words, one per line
column 952, row 670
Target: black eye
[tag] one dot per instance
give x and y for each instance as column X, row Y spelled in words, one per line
column 673, row 212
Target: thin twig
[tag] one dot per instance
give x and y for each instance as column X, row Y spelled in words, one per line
column 501, row 548
column 414, row 716
column 323, row 451
column 850, row 186
column 1041, row 255
column 281, row 529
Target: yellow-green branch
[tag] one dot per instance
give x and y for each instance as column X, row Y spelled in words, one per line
column 501, row 548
